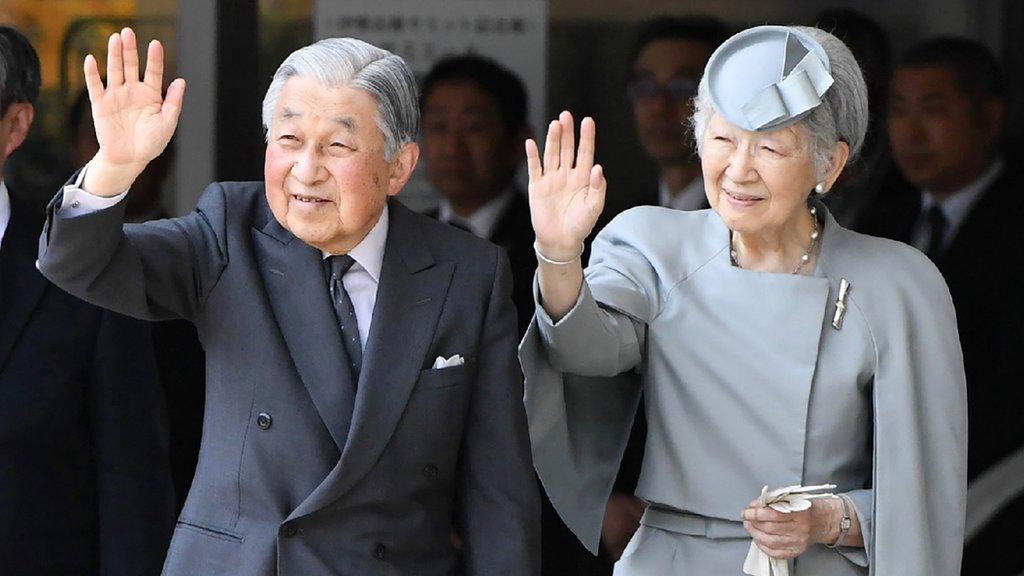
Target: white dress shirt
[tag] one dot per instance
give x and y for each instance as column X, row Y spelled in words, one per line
column 5, row 210
column 955, row 207
column 483, row 221
column 691, row 197
column 360, row 280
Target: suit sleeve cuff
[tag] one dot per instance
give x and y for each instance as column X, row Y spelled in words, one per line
column 77, row 201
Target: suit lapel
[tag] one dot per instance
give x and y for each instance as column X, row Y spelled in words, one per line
column 508, row 230
column 410, row 297
column 985, row 224
column 21, row 285
column 293, row 275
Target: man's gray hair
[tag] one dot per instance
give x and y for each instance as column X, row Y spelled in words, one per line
column 337, row 62
column 842, row 115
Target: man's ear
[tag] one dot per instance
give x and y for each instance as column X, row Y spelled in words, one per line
column 515, row 144
column 17, row 121
column 402, row 167
column 994, row 114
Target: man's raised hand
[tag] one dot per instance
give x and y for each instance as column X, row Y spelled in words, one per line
column 134, row 120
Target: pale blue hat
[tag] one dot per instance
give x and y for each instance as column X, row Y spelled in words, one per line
column 767, row 77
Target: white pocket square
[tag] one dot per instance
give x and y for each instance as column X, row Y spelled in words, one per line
column 442, row 362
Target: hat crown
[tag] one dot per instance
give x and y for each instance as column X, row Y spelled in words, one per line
column 768, row 77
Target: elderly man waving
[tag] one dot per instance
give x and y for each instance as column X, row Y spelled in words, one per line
column 363, row 397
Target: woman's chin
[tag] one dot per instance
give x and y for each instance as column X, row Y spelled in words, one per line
column 738, row 220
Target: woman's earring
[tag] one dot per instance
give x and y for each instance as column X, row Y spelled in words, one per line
column 819, row 188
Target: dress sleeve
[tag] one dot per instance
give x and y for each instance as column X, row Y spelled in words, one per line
column 581, row 390
column 920, row 437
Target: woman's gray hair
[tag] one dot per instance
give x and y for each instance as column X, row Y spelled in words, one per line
column 842, row 115
column 337, row 62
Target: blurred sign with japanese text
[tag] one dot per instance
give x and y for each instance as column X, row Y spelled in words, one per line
column 512, row 32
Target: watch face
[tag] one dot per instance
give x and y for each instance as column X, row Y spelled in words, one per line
column 845, row 524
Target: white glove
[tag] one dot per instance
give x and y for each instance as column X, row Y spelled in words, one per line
column 785, row 500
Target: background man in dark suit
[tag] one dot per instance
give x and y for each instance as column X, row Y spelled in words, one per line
column 84, row 481
column 474, row 126
column 963, row 207
column 363, row 396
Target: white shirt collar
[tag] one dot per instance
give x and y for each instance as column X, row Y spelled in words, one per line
column 483, row 221
column 958, row 205
column 369, row 253
column 691, row 197
column 5, row 209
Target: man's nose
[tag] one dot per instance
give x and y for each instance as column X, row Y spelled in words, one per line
column 909, row 130
column 658, row 103
column 308, row 168
column 452, row 142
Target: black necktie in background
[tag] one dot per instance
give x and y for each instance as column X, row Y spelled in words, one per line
column 937, row 226
column 346, row 313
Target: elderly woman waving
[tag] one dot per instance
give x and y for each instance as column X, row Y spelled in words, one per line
column 773, row 347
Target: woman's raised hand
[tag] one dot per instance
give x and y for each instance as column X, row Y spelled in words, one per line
column 134, row 121
column 566, row 190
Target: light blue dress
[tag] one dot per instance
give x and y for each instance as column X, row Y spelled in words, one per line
column 747, row 383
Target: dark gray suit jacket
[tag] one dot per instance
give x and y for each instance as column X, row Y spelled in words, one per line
column 291, row 479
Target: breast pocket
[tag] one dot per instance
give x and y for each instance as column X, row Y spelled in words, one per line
column 442, row 378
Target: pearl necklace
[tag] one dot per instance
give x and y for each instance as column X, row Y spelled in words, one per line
column 803, row 259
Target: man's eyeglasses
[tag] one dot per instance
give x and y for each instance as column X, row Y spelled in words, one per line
column 679, row 89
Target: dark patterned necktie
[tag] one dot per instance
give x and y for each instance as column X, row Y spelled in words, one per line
column 346, row 313
column 937, row 226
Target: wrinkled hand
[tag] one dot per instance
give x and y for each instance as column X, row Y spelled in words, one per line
column 621, row 520
column 134, row 121
column 567, row 191
column 787, row 535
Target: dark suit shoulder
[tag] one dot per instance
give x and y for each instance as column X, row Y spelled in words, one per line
column 243, row 192
column 514, row 228
column 235, row 201
column 447, row 242
column 999, row 209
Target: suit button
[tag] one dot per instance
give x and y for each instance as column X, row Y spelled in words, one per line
column 289, row 530
column 263, row 420
column 380, row 552
column 430, row 471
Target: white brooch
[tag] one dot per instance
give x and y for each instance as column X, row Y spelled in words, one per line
column 844, row 289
